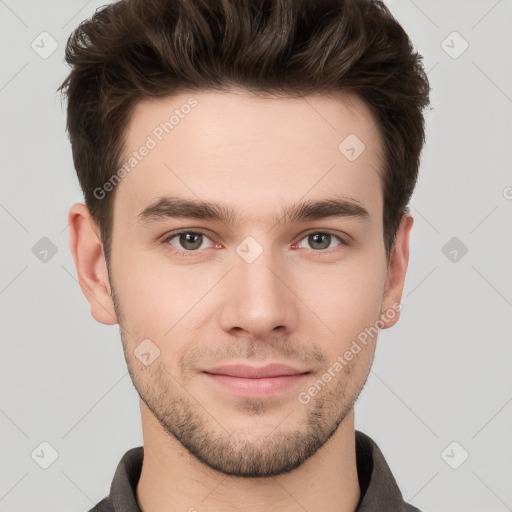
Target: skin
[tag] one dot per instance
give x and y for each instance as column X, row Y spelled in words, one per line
column 298, row 303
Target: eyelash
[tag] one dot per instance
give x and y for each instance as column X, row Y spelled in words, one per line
column 179, row 252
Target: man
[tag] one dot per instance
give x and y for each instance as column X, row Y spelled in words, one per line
column 246, row 167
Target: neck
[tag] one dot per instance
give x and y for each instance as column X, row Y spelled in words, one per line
column 170, row 475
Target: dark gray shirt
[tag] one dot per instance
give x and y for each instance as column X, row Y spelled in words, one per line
column 379, row 490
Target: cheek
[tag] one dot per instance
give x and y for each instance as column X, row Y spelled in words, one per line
column 143, row 291
column 346, row 299
column 160, row 300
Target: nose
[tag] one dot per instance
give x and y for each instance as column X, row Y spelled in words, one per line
column 258, row 298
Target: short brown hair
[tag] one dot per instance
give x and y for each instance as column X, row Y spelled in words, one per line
column 135, row 49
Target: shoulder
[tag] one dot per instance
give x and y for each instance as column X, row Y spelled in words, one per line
column 105, row 505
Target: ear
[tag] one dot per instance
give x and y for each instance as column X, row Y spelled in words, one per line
column 398, row 261
column 88, row 254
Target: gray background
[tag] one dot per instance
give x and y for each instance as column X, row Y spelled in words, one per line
column 441, row 375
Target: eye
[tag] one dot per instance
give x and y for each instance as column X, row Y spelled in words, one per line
column 190, row 241
column 320, row 241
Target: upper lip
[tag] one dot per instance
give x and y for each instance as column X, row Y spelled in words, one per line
column 252, row 372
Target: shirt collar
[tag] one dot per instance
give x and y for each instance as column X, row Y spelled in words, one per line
column 379, row 490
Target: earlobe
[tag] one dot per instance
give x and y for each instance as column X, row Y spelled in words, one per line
column 398, row 261
column 88, row 255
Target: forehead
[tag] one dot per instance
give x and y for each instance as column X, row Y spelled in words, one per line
column 250, row 151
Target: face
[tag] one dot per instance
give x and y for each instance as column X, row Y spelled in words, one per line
column 280, row 260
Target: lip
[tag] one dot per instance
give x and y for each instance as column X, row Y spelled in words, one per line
column 252, row 372
column 248, row 381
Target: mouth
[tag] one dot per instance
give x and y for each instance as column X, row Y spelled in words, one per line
column 244, row 380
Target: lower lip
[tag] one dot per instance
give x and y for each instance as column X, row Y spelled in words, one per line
column 256, row 387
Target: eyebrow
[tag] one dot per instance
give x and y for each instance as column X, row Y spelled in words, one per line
column 171, row 207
